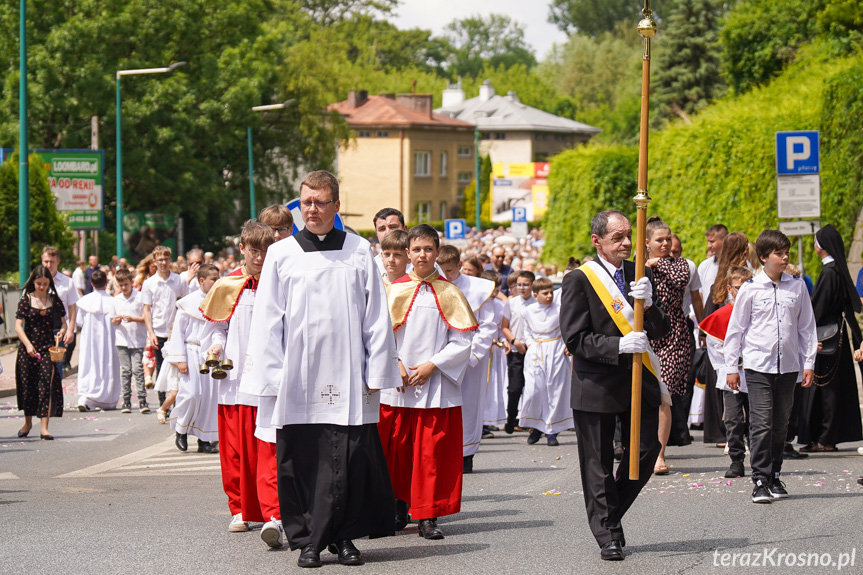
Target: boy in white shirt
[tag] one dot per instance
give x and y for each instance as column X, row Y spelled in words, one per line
column 131, row 337
column 513, row 330
column 772, row 327
column 159, row 294
column 394, row 255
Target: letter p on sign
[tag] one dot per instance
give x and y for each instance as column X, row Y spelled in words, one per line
column 792, row 145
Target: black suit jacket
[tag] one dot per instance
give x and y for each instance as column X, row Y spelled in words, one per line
column 602, row 377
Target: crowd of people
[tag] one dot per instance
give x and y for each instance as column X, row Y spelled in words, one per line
column 347, row 386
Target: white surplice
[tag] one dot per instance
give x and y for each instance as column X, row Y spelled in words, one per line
column 494, row 398
column 321, row 337
column 98, row 362
column 233, row 335
column 547, row 372
column 426, row 337
column 478, row 292
column 196, row 407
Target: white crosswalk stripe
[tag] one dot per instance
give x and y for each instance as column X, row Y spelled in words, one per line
column 157, row 460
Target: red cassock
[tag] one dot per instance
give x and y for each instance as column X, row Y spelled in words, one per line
column 423, row 449
column 268, row 490
column 238, row 452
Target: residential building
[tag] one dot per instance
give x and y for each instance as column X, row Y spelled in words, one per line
column 404, row 156
column 512, row 132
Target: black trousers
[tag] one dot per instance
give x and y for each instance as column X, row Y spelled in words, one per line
column 770, row 399
column 333, row 484
column 515, row 386
column 608, row 497
column 736, row 423
column 159, row 360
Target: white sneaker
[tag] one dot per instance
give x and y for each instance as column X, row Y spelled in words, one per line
column 272, row 533
column 237, row 524
column 860, row 450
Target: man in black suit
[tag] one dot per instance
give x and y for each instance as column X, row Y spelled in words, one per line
column 602, row 379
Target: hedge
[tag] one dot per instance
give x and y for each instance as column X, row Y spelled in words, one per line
column 721, row 167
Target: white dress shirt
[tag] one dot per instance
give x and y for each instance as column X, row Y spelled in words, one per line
column 66, row 290
column 162, row 295
column 772, row 327
column 132, row 334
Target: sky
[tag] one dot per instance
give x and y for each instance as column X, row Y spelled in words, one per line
column 436, row 14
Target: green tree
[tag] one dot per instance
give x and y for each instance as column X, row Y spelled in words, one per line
column 761, row 37
column 602, row 78
column 593, row 17
column 477, row 40
column 329, row 12
column 47, row 226
column 687, row 67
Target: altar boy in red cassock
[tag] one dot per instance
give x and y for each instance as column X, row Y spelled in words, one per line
column 420, row 423
column 228, row 309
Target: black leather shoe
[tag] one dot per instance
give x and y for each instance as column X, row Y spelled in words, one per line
column 206, row 447
column 47, row 437
column 23, row 434
column 467, row 464
column 790, row 453
column 611, row 551
column 181, row 442
column 402, row 518
column 429, row 529
column 534, row 436
column 347, row 552
column 508, row 428
column 309, row 557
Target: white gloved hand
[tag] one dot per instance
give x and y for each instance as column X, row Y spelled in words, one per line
column 642, row 289
column 634, row 342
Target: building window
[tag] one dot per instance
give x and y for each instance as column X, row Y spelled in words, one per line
column 460, row 194
column 423, row 210
column 382, row 134
column 443, row 214
column 422, row 164
column 443, row 164
column 464, row 152
column 500, row 135
column 465, row 177
column 364, row 134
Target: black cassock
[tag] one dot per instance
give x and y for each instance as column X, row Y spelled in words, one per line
column 831, row 414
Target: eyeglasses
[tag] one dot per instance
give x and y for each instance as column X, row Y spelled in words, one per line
column 253, row 253
column 284, row 230
column 163, row 260
column 307, row 204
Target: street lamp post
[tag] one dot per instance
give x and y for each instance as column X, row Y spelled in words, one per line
column 121, row 73
column 252, row 205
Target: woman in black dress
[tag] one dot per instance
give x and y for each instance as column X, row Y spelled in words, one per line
column 38, row 382
column 831, row 407
column 671, row 276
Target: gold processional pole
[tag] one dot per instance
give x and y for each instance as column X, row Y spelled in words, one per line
column 647, row 30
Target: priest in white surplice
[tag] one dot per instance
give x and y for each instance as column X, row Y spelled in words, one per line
column 478, row 293
column 98, row 362
column 322, row 345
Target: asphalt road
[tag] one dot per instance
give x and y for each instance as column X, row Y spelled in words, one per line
column 112, row 495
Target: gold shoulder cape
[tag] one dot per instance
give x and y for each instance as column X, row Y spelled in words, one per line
column 222, row 298
column 451, row 303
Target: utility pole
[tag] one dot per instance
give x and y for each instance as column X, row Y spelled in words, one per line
column 23, row 155
column 94, row 145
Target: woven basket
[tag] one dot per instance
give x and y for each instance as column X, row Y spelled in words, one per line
column 57, row 354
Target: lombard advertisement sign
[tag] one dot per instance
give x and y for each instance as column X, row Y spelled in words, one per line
column 521, row 185
column 76, row 179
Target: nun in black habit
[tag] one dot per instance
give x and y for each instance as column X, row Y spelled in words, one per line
column 830, row 411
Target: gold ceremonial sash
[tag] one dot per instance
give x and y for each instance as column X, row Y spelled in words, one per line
column 618, row 309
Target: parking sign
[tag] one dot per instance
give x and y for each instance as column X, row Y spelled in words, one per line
column 797, row 153
column 519, row 214
column 455, row 229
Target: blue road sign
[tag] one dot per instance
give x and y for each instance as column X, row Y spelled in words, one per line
column 455, row 229
column 519, row 214
column 294, row 206
column 797, row 153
